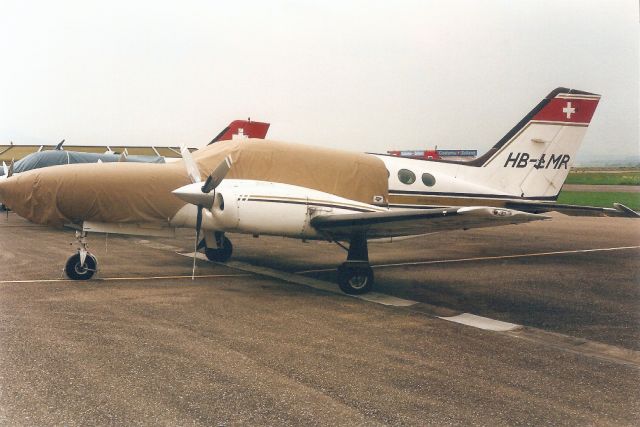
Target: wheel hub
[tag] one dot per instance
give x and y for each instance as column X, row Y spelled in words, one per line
column 81, row 269
column 358, row 281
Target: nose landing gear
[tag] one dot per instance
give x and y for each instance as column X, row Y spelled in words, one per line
column 82, row 265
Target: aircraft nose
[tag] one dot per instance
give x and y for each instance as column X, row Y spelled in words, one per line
column 5, row 191
column 18, row 193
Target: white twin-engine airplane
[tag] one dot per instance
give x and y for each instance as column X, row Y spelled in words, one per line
column 272, row 188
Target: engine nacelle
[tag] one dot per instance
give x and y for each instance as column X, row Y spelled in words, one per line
column 225, row 211
column 261, row 214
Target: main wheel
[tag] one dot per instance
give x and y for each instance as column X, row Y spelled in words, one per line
column 356, row 279
column 76, row 271
column 221, row 254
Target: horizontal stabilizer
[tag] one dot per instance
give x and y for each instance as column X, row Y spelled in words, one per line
column 618, row 210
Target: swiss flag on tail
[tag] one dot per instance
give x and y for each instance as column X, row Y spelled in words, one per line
column 242, row 129
column 569, row 108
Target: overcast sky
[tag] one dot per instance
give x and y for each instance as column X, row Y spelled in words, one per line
column 361, row 75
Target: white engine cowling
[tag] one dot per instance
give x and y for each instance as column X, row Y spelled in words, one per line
column 225, row 211
column 260, row 214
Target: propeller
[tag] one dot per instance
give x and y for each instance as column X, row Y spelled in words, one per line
column 59, row 146
column 10, row 169
column 195, row 246
column 5, row 169
column 198, row 194
column 217, row 175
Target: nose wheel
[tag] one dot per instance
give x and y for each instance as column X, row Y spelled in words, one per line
column 81, row 265
column 75, row 269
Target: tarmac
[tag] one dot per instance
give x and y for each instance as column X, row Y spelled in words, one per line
column 531, row 324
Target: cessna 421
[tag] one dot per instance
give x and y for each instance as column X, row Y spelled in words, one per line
column 273, row 188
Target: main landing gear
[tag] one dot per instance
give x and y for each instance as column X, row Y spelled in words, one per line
column 222, row 250
column 82, row 265
column 355, row 276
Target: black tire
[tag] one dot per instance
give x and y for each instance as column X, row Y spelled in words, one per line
column 355, row 280
column 221, row 254
column 75, row 271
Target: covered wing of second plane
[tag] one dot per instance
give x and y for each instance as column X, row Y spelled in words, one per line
column 396, row 223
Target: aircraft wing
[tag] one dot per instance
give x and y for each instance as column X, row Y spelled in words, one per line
column 410, row 222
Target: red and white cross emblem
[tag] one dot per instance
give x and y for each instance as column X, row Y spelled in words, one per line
column 568, row 110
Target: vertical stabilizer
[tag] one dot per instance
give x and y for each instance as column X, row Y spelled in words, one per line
column 533, row 159
column 242, row 129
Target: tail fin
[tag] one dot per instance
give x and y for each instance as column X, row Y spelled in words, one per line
column 533, row 159
column 242, row 129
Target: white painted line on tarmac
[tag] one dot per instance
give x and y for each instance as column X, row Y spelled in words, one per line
column 22, row 225
column 113, row 279
column 2, row 282
column 158, row 245
column 383, row 299
column 375, row 297
column 201, row 276
column 482, row 322
column 446, row 261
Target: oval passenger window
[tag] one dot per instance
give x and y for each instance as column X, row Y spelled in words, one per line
column 428, row 179
column 406, row 176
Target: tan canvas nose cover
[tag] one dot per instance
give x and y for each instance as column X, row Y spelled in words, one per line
column 141, row 192
column 106, row 192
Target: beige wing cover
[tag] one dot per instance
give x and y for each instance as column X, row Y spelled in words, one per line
column 140, row 192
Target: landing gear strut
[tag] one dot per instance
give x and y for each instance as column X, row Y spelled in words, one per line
column 223, row 250
column 82, row 265
column 355, row 276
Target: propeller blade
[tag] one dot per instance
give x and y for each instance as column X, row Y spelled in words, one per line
column 59, row 146
column 5, row 169
column 195, row 246
column 192, row 167
column 217, row 175
column 10, row 171
column 122, row 158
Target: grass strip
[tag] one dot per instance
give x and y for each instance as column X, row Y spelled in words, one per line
column 604, row 178
column 602, row 199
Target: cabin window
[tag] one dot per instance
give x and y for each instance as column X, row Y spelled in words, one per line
column 406, row 176
column 428, row 179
